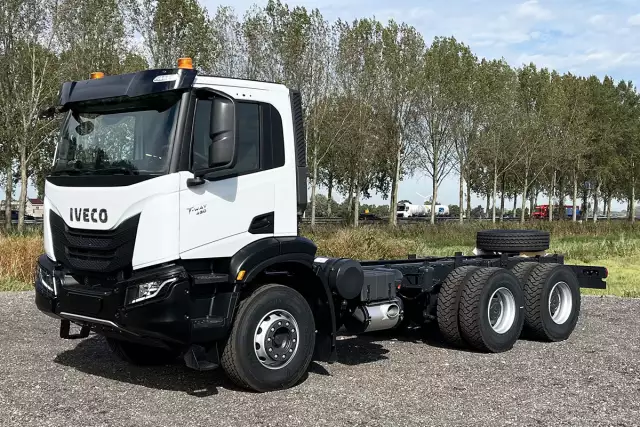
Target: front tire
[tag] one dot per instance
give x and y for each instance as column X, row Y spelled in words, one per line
column 272, row 340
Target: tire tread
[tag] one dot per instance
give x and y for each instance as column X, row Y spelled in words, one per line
column 533, row 324
column 231, row 354
column 513, row 241
column 449, row 304
column 470, row 306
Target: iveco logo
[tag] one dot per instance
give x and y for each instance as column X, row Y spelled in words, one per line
column 88, row 215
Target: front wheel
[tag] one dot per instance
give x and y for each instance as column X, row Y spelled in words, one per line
column 272, row 340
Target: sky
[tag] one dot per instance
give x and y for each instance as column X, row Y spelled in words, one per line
column 584, row 37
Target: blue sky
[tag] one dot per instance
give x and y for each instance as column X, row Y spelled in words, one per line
column 584, row 37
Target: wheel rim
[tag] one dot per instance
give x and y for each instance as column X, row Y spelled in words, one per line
column 560, row 303
column 276, row 339
column 502, row 310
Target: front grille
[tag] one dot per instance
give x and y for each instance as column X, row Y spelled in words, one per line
column 102, row 251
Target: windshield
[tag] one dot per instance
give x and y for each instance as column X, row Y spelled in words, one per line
column 131, row 137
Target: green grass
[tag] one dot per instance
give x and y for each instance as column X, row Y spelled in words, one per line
column 615, row 245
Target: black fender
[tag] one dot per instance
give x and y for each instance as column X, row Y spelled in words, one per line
column 298, row 254
column 258, row 255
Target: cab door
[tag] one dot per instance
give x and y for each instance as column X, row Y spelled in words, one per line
column 236, row 206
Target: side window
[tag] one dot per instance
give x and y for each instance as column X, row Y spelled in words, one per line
column 260, row 137
column 248, row 117
column 201, row 138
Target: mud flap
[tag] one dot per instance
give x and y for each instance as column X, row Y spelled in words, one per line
column 198, row 358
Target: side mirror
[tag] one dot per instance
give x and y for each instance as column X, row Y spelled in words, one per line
column 222, row 151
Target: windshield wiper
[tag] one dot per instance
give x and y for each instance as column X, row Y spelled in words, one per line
column 68, row 171
column 116, row 171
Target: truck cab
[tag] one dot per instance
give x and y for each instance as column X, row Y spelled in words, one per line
column 169, row 190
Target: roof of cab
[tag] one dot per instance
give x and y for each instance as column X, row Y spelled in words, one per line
column 232, row 82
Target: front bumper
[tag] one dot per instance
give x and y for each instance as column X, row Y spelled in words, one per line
column 172, row 318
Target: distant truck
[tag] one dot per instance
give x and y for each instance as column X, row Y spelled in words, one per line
column 441, row 210
column 407, row 210
column 542, row 211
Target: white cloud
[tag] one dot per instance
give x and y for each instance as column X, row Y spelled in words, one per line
column 532, row 9
column 634, row 20
column 599, row 20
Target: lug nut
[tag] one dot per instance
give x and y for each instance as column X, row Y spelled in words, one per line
column 290, row 350
column 272, row 329
column 270, row 349
column 294, row 340
column 268, row 339
column 275, row 356
column 287, row 323
column 279, row 323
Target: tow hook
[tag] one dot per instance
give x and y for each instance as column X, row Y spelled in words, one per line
column 65, row 328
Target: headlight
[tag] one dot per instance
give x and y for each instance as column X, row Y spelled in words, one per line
column 45, row 281
column 147, row 290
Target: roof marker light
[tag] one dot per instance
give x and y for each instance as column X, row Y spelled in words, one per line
column 185, row 63
column 166, row 78
column 97, row 75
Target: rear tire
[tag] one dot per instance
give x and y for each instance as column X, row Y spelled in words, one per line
column 513, row 240
column 273, row 317
column 141, row 355
column 449, row 302
column 523, row 270
column 491, row 315
column 552, row 302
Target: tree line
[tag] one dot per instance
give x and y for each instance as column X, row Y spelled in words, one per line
column 381, row 104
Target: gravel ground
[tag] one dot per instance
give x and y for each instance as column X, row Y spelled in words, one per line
column 591, row 379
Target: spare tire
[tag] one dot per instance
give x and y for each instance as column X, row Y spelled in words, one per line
column 513, row 240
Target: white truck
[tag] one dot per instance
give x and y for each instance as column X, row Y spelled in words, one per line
column 441, row 210
column 171, row 229
column 408, row 210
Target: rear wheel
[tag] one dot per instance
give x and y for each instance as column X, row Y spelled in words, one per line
column 552, row 302
column 138, row 354
column 272, row 340
column 449, row 303
column 523, row 270
column 490, row 312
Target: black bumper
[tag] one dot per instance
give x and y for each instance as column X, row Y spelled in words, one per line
column 173, row 318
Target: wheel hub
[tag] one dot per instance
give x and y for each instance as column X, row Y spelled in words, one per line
column 560, row 303
column 502, row 310
column 276, row 339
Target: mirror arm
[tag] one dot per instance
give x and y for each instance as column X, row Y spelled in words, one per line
column 195, row 181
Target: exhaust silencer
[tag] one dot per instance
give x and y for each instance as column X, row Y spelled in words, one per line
column 375, row 317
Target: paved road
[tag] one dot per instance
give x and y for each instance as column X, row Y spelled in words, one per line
column 591, row 379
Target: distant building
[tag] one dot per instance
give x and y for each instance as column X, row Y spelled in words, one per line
column 34, row 208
